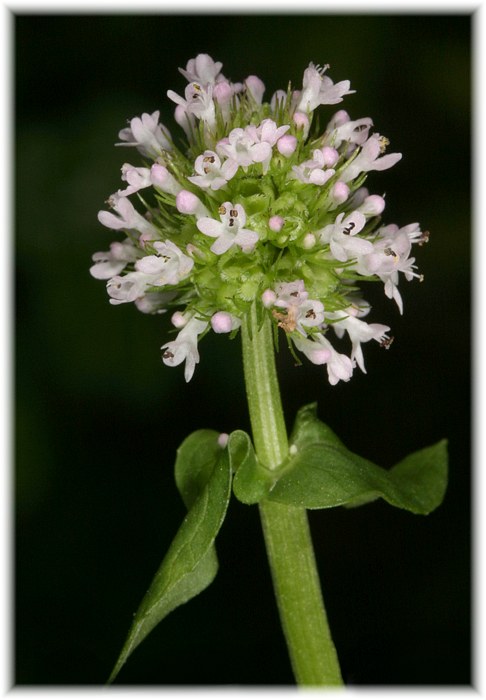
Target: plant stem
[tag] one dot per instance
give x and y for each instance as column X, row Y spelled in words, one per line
column 286, row 529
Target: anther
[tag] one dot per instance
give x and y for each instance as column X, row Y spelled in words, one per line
column 222, row 210
column 347, row 230
column 386, row 342
column 384, row 142
column 424, row 238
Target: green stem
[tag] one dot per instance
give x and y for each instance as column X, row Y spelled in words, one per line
column 286, row 529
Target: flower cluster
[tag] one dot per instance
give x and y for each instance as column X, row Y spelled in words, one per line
column 256, row 207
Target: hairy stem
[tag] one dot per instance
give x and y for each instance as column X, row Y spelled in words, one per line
column 286, row 529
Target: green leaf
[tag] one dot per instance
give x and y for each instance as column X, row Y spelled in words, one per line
column 195, row 462
column 203, row 475
column 252, row 480
column 322, row 473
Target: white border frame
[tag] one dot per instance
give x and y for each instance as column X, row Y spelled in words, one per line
column 7, row 12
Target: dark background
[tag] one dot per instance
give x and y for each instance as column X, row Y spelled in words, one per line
column 99, row 417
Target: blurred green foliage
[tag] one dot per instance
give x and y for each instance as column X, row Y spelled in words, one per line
column 99, row 417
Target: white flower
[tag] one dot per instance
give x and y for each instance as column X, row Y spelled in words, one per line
column 291, row 294
column 154, row 302
column 230, row 230
column 184, row 347
column 211, row 172
column 127, row 288
column 198, row 101
column 390, row 255
column 169, row 266
column 340, row 236
column 244, row 148
column 137, row 178
column 301, row 312
column 319, row 89
column 128, row 217
column 112, row 262
column 147, row 135
column 202, row 69
column 358, row 331
column 368, row 159
column 341, row 128
column 320, row 351
column 266, row 133
column 312, row 171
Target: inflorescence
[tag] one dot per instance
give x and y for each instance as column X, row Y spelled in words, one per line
column 256, row 206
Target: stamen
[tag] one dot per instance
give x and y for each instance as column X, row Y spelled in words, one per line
column 424, row 238
column 222, row 210
column 386, row 342
column 347, row 230
column 384, row 142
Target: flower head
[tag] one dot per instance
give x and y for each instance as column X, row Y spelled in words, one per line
column 259, row 208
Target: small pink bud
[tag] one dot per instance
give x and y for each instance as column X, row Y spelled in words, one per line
column 331, row 156
column 161, row 178
column 268, row 298
column 340, row 192
column 373, row 205
column 159, row 174
column 187, row 202
column 301, row 120
column 341, row 117
column 308, row 241
column 221, row 322
column 287, row 145
column 223, row 440
column 178, row 319
column 255, row 87
column 222, row 93
column 276, row 223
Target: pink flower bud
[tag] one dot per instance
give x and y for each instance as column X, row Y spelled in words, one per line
column 340, row 192
column 221, row 322
column 268, row 298
column 223, row 440
column 276, row 223
column 287, row 145
column 178, row 319
column 255, row 87
column 373, row 205
column 188, row 203
column 161, row 178
column 222, row 93
column 308, row 241
column 301, row 120
column 331, row 156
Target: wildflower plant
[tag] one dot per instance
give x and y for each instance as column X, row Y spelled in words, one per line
column 259, row 223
